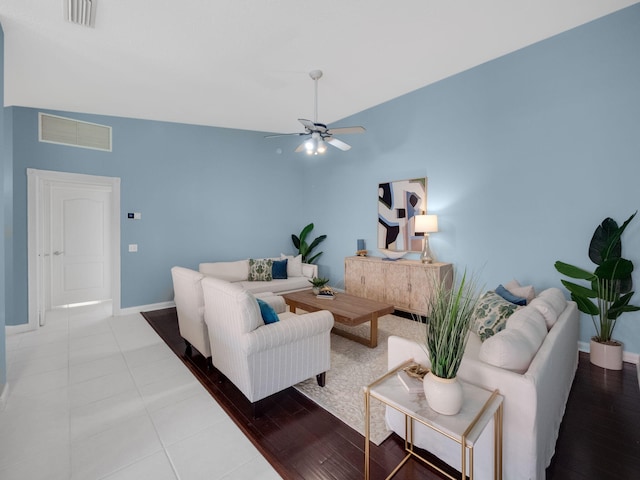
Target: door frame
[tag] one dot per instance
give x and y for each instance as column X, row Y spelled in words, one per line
column 36, row 203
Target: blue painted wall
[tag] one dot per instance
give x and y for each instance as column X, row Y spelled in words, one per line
column 204, row 194
column 525, row 156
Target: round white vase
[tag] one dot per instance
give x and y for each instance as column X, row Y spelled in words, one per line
column 444, row 395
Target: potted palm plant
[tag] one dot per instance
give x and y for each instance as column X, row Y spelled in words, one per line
column 305, row 248
column 450, row 315
column 608, row 293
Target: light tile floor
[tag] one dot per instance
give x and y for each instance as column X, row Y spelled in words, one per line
column 92, row 396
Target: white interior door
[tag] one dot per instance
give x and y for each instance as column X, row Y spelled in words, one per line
column 80, row 243
column 42, row 232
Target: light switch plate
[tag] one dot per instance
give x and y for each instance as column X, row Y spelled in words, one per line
column 133, row 247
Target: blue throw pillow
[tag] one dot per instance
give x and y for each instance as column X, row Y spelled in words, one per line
column 269, row 315
column 510, row 297
column 279, row 269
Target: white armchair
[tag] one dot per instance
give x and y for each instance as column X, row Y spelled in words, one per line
column 263, row 359
column 189, row 301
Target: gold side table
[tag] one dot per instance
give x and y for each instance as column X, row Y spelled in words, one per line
column 479, row 407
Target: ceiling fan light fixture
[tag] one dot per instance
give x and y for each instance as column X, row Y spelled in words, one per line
column 80, row 12
column 310, row 146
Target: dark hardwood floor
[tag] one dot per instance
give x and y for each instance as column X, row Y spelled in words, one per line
column 599, row 437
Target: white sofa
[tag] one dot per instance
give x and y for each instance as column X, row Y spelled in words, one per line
column 298, row 275
column 263, row 359
column 535, row 393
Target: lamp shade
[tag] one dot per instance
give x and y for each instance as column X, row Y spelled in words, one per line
column 426, row 223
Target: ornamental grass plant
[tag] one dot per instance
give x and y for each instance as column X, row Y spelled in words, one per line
column 451, row 312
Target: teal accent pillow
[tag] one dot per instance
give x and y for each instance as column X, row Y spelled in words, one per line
column 269, row 315
column 510, row 297
column 279, row 269
column 491, row 314
column 260, row 270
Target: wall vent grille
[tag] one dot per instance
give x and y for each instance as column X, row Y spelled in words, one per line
column 67, row 131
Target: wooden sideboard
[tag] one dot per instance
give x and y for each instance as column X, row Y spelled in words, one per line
column 406, row 284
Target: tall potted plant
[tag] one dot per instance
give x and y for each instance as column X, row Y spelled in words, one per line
column 608, row 293
column 450, row 314
column 305, row 248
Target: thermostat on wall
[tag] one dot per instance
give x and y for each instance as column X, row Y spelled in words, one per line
column 134, row 216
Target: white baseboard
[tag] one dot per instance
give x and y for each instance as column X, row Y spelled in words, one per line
column 626, row 356
column 25, row 327
column 4, row 394
column 145, row 308
column 15, row 329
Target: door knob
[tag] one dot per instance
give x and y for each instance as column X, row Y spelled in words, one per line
column 57, row 252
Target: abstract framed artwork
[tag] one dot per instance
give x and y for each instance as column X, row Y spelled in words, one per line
column 398, row 203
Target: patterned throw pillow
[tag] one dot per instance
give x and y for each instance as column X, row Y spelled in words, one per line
column 491, row 314
column 260, row 270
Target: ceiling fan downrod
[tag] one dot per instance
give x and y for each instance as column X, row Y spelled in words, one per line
column 315, row 76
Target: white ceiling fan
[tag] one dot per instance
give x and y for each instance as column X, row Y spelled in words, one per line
column 319, row 134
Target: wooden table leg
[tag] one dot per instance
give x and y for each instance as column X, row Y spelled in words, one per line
column 373, row 335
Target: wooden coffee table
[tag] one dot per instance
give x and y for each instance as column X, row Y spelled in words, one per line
column 346, row 309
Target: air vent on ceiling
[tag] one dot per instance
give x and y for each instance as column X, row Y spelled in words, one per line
column 81, row 12
column 66, row 131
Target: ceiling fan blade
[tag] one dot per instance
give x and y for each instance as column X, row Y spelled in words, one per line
column 308, row 124
column 284, row 135
column 337, row 143
column 300, row 147
column 344, row 130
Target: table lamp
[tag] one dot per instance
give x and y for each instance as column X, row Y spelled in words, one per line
column 426, row 224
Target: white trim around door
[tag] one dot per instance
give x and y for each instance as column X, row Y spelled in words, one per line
column 36, row 203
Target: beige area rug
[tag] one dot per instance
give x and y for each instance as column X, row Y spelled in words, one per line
column 354, row 366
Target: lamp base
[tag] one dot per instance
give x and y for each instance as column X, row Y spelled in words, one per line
column 425, row 256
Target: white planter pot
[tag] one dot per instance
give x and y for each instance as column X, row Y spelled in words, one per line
column 444, row 395
column 607, row 356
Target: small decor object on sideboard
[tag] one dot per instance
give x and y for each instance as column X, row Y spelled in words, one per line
column 362, row 250
column 392, row 254
column 450, row 317
column 610, row 284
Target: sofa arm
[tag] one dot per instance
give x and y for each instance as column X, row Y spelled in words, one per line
column 276, row 301
column 287, row 331
column 309, row 270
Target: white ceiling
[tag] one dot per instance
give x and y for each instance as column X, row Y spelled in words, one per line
column 244, row 64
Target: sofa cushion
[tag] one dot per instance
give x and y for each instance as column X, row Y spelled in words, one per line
column 230, row 271
column 277, row 286
column 490, row 315
column 260, row 270
column 532, row 323
column 267, row 312
column 518, row 290
column 294, row 265
column 551, row 303
column 279, row 269
column 510, row 297
column 509, row 349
